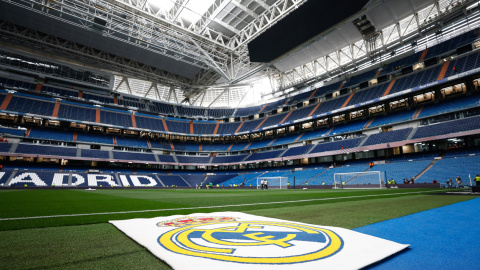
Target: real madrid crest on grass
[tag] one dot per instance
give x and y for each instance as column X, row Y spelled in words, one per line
column 229, row 240
column 232, row 240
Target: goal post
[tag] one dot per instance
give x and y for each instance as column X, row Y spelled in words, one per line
column 368, row 179
column 273, row 182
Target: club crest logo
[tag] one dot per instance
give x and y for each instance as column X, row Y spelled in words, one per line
column 255, row 242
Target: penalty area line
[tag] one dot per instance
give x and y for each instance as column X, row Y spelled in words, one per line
column 208, row 207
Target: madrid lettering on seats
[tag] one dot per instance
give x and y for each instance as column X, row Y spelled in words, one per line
column 44, row 179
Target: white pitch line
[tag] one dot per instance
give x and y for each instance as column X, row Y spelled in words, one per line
column 204, row 207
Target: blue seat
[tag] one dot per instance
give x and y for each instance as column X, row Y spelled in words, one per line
column 227, row 128
column 46, row 150
column 131, row 142
column 51, row 134
column 193, row 159
column 338, row 145
column 264, row 155
column 132, row 156
column 116, row 118
column 80, row 113
column 389, row 136
column 228, row 159
column 448, row 127
column 150, row 123
column 30, row 105
column 172, row 180
column 299, row 150
column 94, row 138
column 88, row 153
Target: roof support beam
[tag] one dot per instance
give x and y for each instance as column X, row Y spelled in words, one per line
column 215, row 100
column 156, row 91
column 203, row 97
column 198, row 96
column 120, row 84
column 211, row 13
column 177, row 9
column 171, row 92
column 149, row 89
column 244, row 95
column 246, row 9
column 263, row 4
column 226, row 25
column 214, row 63
column 128, row 87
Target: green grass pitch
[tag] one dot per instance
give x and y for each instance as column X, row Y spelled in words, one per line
column 66, row 240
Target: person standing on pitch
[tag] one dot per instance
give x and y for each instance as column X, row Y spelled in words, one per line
column 477, row 183
column 459, row 182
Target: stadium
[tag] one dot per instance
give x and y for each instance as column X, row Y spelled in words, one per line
column 363, row 115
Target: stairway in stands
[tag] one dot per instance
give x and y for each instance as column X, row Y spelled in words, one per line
column 430, row 165
column 305, row 182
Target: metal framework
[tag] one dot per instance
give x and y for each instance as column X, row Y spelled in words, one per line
column 111, row 63
column 268, row 15
column 350, row 57
column 271, row 15
column 127, row 26
column 216, row 43
column 142, row 24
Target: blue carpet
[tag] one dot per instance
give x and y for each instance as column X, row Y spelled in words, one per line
column 442, row 238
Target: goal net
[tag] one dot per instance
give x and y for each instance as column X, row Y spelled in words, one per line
column 273, row 182
column 368, row 179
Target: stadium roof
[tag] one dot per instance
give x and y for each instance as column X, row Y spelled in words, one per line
column 196, row 50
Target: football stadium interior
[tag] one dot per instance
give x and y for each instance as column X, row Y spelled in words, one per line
column 148, row 101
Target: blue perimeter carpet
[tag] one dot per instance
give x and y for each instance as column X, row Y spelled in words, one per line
column 442, row 238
